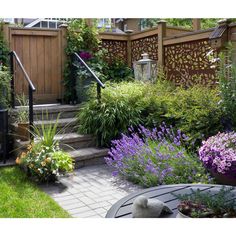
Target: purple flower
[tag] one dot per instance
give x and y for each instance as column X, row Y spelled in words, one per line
column 151, row 157
column 218, row 153
column 85, row 55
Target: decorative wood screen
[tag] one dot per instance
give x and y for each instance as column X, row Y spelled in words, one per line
column 117, row 49
column 187, row 63
column 147, row 45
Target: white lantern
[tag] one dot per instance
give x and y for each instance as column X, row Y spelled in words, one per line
column 145, row 69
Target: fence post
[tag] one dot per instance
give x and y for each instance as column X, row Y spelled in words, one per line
column 129, row 51
column 196, row 24
column 63, row 29
column 161, row 35
column 6, row 32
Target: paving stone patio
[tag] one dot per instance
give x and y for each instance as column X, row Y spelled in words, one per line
column 90, row 191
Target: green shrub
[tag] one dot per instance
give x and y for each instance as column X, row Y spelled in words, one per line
column 117, row 71
column 45, row 164
column 195, row 111
column 227, row 83
column 120, row 107
column 5, row 79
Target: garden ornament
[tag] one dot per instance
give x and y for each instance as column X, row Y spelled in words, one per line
column 148, row 208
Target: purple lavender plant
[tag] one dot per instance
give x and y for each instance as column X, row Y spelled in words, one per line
column 152, row 157
column 218, row 153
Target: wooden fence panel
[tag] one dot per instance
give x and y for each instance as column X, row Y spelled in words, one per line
column 187, row 63
column 41, row 54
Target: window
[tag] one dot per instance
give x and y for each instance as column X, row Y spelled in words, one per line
column 104, row 22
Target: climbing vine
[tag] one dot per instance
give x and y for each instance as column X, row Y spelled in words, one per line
column 83, row 39
column 4, row 71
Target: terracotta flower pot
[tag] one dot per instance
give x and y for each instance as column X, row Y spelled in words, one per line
column 23, row 131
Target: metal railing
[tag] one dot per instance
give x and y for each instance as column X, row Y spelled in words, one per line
column 99, row 82
column 99, row 86
column 31, row 88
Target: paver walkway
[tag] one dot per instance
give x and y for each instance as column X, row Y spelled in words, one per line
column 90, row 191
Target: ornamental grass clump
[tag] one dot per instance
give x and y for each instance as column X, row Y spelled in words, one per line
column 218, row 154
column 153, row 157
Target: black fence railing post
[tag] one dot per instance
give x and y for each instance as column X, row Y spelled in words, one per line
column 99, row 134
column 12, row 80
column 31, row 112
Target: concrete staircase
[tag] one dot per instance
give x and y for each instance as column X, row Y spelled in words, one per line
column 81, row 147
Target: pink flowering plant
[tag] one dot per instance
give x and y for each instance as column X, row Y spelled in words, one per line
column 218, row 153
column 157, row 156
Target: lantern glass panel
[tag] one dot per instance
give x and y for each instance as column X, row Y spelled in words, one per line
column 145, row 69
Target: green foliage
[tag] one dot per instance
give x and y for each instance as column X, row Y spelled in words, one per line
column 118, row 71
column 180, row 22
column 227, row 81
column 44, row 160
column 80, row 38
column 200, row 204
column 23, row 111
column 46, row 133
column 3, row 48
column 194, row 111
column 28, row 200
column 63, row 161
column 120, row 108
column 5, row 89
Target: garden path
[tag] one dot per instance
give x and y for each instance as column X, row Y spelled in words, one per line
column 90, row 191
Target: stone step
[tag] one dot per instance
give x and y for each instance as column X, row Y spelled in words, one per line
column 50, row 112
column 67, row 142
column 65, row 125
column 89, row 156
column 70, row 141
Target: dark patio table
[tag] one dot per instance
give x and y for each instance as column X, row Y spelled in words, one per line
column 122, row 209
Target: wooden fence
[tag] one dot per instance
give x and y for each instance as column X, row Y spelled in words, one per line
column 182, row 53
column 42, row 54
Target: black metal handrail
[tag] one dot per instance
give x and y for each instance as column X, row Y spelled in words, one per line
column 99, row 82
column 31, row 87
column 99, row 86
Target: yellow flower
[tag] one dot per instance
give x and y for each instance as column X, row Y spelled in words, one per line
column 43, row 163
column 18, row 161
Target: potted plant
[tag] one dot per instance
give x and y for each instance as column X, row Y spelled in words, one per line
column 218, row 154
column 23, row 118
column 199, row 204
column 44, row 161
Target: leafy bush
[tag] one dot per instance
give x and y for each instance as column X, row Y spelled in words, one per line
column 45, row 164
column 5, row 89
column 120, row 107
column 195, row 111
column 153, row 157
column 218, row 153
column 117, row 71
column 83, row 39
column 227, row 83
